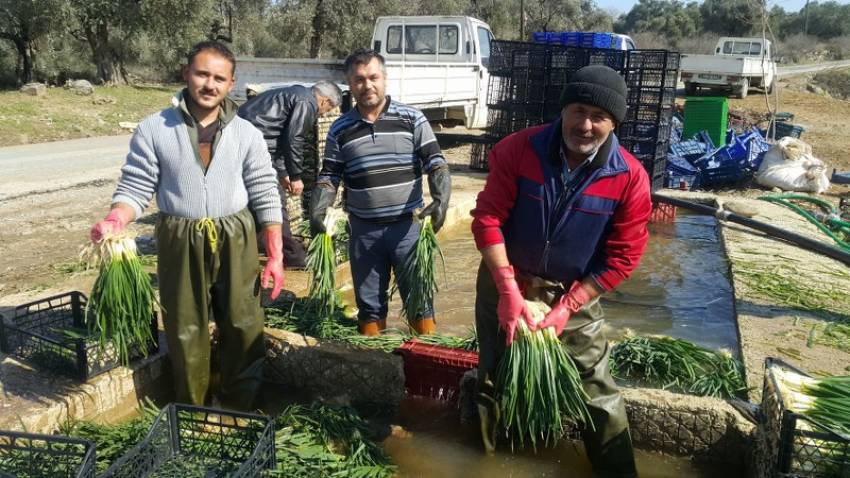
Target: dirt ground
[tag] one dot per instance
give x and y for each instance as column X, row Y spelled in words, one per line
column 824, row 118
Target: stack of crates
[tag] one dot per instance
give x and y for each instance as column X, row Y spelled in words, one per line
column 526, row 80
column 651, row 77
column 575, row 39
column 706, row 113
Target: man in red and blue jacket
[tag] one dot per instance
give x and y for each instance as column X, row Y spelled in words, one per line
column 562, row 219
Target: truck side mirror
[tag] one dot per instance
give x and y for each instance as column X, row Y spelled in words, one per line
column 377, row 46
column 467, row 47
column 717, row 50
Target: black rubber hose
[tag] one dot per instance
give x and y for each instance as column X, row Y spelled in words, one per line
column 794, row 238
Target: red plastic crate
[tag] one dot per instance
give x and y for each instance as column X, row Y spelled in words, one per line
column 435, row 371
column 662, row 212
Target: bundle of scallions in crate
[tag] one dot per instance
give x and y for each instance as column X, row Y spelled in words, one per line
column 419, row 271
column 122, row 301
column 825, row 401
column 321, row 263
column 538, row 388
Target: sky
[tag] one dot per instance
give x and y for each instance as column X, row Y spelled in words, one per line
column 623, row 6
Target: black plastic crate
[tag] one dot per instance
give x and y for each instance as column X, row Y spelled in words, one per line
column 528, row 89
column 478, row 156
column 643, row 78
column 502, row 52
column 652, row 60
column 644, row 131
column 533, row 62
column 615, row 59
column 45, row 456
column 33, row 332
column 649, row 113
column 795, row 445
column 502, row 122
column 651, row 96
column 564, row 62
column 499, row 91
column 190, row 441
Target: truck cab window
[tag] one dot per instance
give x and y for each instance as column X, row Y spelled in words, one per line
column 394, row 39
column 484, row 37
column 421, row 39
column 448, row 39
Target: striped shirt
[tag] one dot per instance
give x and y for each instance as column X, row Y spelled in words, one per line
column 381, row 163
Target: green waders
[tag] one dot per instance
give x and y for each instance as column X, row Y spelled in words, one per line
column 609, row 448
column 211, row 266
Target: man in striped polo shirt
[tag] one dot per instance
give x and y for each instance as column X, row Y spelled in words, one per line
column 379, row 150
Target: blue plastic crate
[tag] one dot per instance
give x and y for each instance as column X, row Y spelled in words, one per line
column 718, row 169
column 539, row 37
column 680, row 165
column 690, row 150
column 602, row 40
column 553, row 38
column 755, row 153
column 704, row 137
column 587, row 40
column 687, row 182
column 571, row 38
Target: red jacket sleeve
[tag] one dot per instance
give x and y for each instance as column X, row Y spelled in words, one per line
column 495, row 202
column 626, row 241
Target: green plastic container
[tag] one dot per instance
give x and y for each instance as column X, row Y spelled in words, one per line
column 709, row 113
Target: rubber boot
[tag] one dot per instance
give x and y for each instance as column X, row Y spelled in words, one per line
column 615, row 459
column 424, row 326
column 382, row 324
column 371, row 328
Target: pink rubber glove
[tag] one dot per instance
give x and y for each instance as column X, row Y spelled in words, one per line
column 511, row 307
column 114, row 223
column 274, row 266
column 567, row 305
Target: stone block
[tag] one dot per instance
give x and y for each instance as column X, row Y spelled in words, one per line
column 335, row 373
column 34, row 89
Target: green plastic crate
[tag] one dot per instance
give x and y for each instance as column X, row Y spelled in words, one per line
column 708, row 113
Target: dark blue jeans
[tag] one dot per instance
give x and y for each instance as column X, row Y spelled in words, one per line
column 374, row 249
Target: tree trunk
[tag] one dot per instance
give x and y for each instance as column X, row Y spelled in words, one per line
column 24, row 69
column 105, row 58
column 26, row 60
column 318, row 29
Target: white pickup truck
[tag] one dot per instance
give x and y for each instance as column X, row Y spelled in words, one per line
column 436, row 63
column 738, row 64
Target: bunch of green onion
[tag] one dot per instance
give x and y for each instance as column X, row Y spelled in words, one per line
column 824, row 400
column 321, row 262
column 677, row 364
column 538, row 388
column 419, row 271
column 121, row 303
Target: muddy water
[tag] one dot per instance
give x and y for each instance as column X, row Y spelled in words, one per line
column 681, row 287
column 432, row 444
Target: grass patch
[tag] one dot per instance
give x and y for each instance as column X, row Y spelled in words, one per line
column 62, row 114
column 835, row 82
column 783, row 285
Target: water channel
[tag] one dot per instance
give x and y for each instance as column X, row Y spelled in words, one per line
column 681, row 288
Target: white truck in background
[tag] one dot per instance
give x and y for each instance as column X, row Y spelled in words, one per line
column 738, row 63
column 436, row 63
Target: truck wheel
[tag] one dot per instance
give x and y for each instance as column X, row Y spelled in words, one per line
column 690, row 88
column 744, row 88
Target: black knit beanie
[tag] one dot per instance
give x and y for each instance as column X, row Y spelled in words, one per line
column 597, row 85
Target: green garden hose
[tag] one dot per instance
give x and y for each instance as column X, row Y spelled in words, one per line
column 828, row 219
